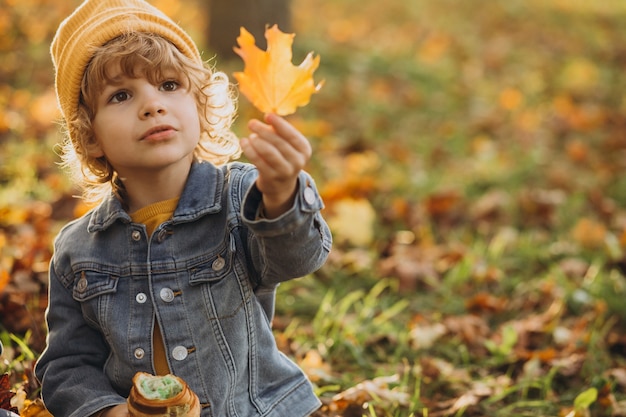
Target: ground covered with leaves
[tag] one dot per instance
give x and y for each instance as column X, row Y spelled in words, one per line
column 471, row 156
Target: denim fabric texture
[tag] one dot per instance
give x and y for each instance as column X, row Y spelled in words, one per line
column 208, row 276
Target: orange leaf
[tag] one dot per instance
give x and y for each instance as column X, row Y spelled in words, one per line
column 4, row 278
column 35, row 409
column 269, row 79
column 589, row 233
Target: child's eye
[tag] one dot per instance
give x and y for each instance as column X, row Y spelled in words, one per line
column 119, row 97
column 169, row 86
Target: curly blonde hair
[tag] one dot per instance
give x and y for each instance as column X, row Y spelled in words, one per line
column 146, row 55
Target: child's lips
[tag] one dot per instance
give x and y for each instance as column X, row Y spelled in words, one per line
column 158, row 133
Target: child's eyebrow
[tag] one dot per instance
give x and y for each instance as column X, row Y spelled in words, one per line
column 116, row 80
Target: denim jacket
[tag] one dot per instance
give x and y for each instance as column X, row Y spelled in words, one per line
column 208, row 276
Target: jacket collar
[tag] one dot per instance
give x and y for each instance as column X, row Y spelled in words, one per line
column 202, row 195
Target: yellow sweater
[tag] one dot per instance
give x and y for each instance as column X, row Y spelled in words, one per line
column 152, row 216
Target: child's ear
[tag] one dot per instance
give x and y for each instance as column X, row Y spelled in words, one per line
column 93, row 149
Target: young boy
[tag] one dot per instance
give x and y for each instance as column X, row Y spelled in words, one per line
column 175, row 271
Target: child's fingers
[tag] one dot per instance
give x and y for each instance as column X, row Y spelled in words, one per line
column 275, row 172
column 280, row 130
column 256, row 152
column 270, row 159
column 270, row 145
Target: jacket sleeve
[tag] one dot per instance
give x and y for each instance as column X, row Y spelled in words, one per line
column 71, row 367
column 292, row 245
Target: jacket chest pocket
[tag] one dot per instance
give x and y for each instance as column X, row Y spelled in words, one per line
column 220, row 285
column 90, row 287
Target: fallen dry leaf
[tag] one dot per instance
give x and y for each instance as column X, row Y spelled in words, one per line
column 314, row 366
column 353, row 221
column 589, row 233
column 366, row 391
column 424, row 336
column 35, row 409
column 6, row 393
column 269, row 79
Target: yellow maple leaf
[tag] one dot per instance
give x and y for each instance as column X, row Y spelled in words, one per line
column 269, row 79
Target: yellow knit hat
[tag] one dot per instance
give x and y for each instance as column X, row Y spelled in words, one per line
column 94, row 23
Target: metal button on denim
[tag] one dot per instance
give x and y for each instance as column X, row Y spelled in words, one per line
column 218, row 264
column 180, row 353
column 309, row 195
column 139, row 353
column 82, row 284
column 141, row 298
column 162, row 235
column 136, row 235
column 166, row 295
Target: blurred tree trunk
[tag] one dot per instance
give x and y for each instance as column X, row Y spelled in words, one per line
column 227, row 16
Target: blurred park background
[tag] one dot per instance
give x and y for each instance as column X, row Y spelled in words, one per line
column 471, row 155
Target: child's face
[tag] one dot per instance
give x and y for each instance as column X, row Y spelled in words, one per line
column 140, row 127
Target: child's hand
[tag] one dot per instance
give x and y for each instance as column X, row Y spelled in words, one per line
column 279, row 152
column 117, row 411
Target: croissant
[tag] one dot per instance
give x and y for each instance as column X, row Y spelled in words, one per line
column 161, row 396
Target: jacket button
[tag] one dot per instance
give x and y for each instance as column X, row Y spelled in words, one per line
column 218, row 264
column 82, row 284
column 136, row 235
column 309, row 195
column 166, row 295
column 139, row 353
column 162, row 235
column 141, row 298
column 180, row 353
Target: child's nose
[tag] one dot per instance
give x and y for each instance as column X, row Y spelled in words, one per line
column 152, row 105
